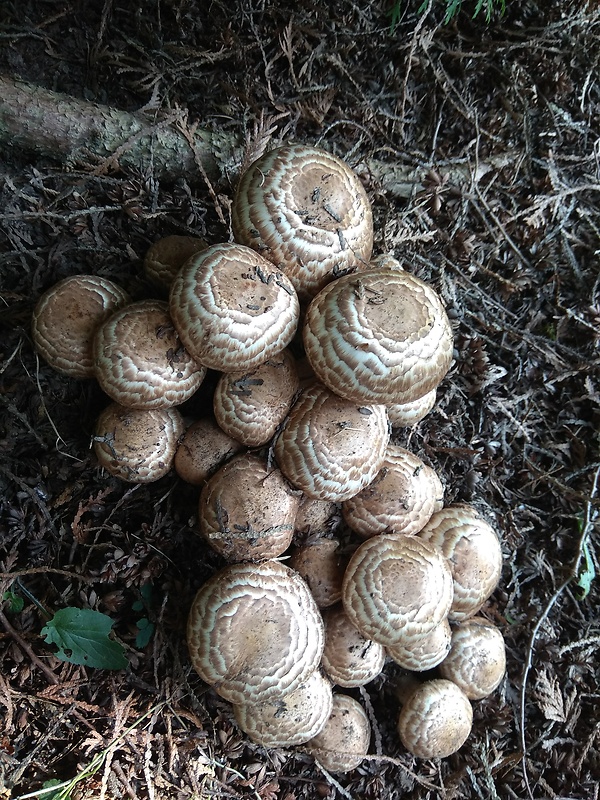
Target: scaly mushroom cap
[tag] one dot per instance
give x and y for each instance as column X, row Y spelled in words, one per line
column 250, row 406
column 322, row 567
column 255, row 632
column 419, row 653
column 316, row 516
column 166, row 256
column 137, row 445
column 65, row 320
column 349, row 658
column 435, row 720
column 395, row 587
column 400, row 499
column 380, row 336
column 307, row 212
column 344, row 740
column 203, row 448
column 403, row 415
column 289, row 720
column 247, row 510
column 329, row 447
column 473, row 550
column 477, row 658
column 232, row 308
column 140, row 361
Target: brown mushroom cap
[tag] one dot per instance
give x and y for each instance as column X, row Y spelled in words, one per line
column 473, row 550
column 322, row 567
column 403, row 415
column 395, row 587
column 254, row 631
column 247, row 510
column 349, row 658
column 477, row 658
column 140, row 361
column 400, row 499
column 289, row 720
column 420, row 653
column 203, row 448
column 380, row 336
column 66, row 317
column 307, row 212
column 166, row 256
column 329, row 447
column 137, row 445
column 232, row 308
column 344, row 740
column 315, row 516
column 250, row 406
column 435, row 720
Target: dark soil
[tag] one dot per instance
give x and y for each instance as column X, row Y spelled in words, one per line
column 512, row 246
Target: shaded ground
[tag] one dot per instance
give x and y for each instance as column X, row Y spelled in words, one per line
column 513, row 249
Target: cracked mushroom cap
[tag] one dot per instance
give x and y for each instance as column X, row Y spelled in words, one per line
column 203, row 448
column 233, row 309
column 380, row 336
column 65, row 320
column 137, row 445
column 473, row 550
column 289, row 720
column 331, row 448
column 435, row 720
column 250, row 406
column 307, row 212
column 349, row 658
column 247, row 510
column 420, row 653
column 396, row 587
column 404, row 415
column 400, row 499
column 477, row 658
column 344, row 740
column 140, row 361
column 255, row 632
column 167, row 255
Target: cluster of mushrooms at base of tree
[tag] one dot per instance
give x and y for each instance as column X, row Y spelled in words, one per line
column 295, row 443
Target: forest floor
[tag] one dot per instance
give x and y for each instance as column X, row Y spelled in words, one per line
column 501, row 123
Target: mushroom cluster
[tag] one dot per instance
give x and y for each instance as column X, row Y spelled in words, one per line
column 321, row 351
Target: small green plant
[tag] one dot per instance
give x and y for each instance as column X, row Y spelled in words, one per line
column 488, row 7
column 144, row 625
column 586, row 574
column 15, row 602
column 82, row 637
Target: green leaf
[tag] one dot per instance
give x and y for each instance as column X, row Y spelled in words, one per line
column 59, row 794
column 145, row 631
column 82, row 637
column 587, row 574
column 15, row 602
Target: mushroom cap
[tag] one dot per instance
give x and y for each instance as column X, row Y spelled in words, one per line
column 396, row 587
column 137, row 445
column 435, row 720
column 349, row 658
column 165, row 257
column 477, row 658
column 419, row 653
column 329, row 447
column 65, row 319
column 400, row 499
column 254, row 631
column 232, row 308
column 251, row 405
column 315, row 516
column 403, row 415
column 203, row 448
column 247, row 510
column 380, row 336
column 289, row 720
column 344, row 740
column 140, row 361
column 307, row 212
column 473, row 550
column 322, row 567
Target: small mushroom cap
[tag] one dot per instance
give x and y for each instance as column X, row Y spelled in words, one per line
column 473, row 550
column 166, row 256
column 322, row 566
column 250, row 406
column 400, row 499
column 344, row 740
column 419, row 653
column 66, row 317
column 307, row 212
column 140, row 361
column 254, row 631
column 477, row 658
column 289, row 720
column 380, row 336
column 435, row 720
column 404, row 415
column 349, row 658
column 331, row 448
column 232, row 308
column 396, row 587
column 203, row 448
column 315, row 516
column 247, row 510
column 137, row 445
